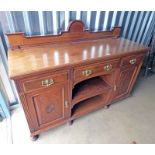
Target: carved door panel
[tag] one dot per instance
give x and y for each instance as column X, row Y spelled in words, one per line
column 125, row 81
column 48, row 106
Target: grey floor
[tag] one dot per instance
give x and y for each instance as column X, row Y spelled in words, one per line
column 129, row 121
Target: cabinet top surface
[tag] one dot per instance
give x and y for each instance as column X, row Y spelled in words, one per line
column 73, row 47
column 38, row 58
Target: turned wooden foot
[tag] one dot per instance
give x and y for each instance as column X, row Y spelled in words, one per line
column 107, row 106
column 70, row 122
column 34, row 138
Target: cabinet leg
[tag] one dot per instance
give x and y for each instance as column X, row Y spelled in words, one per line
column 107, row 106
column 34, row 138
column 70, row 122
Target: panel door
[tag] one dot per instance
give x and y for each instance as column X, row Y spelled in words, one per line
column 48, row 106
column 125, row 81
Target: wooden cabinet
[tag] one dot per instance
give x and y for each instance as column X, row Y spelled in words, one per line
column 62, row 77
column 45, row 99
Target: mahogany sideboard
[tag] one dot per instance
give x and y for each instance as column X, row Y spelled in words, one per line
column 60, row 78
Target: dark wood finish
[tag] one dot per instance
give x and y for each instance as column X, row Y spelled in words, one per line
column 62, row 77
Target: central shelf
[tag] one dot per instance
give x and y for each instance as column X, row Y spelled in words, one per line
column 89, row 88
column 89, row 105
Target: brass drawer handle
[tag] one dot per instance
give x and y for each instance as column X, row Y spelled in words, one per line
column 108, row 67
column 132, row 61
column 87, row 72
column 47, row 82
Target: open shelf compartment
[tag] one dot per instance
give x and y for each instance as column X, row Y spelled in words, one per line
column 89, row 88
column 89, row 105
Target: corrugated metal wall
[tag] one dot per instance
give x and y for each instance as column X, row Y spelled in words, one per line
column 136, row 25
column 6, row 85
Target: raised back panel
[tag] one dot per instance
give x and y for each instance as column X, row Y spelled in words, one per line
column 76, row 32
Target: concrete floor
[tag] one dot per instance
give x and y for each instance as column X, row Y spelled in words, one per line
column 128, row 121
